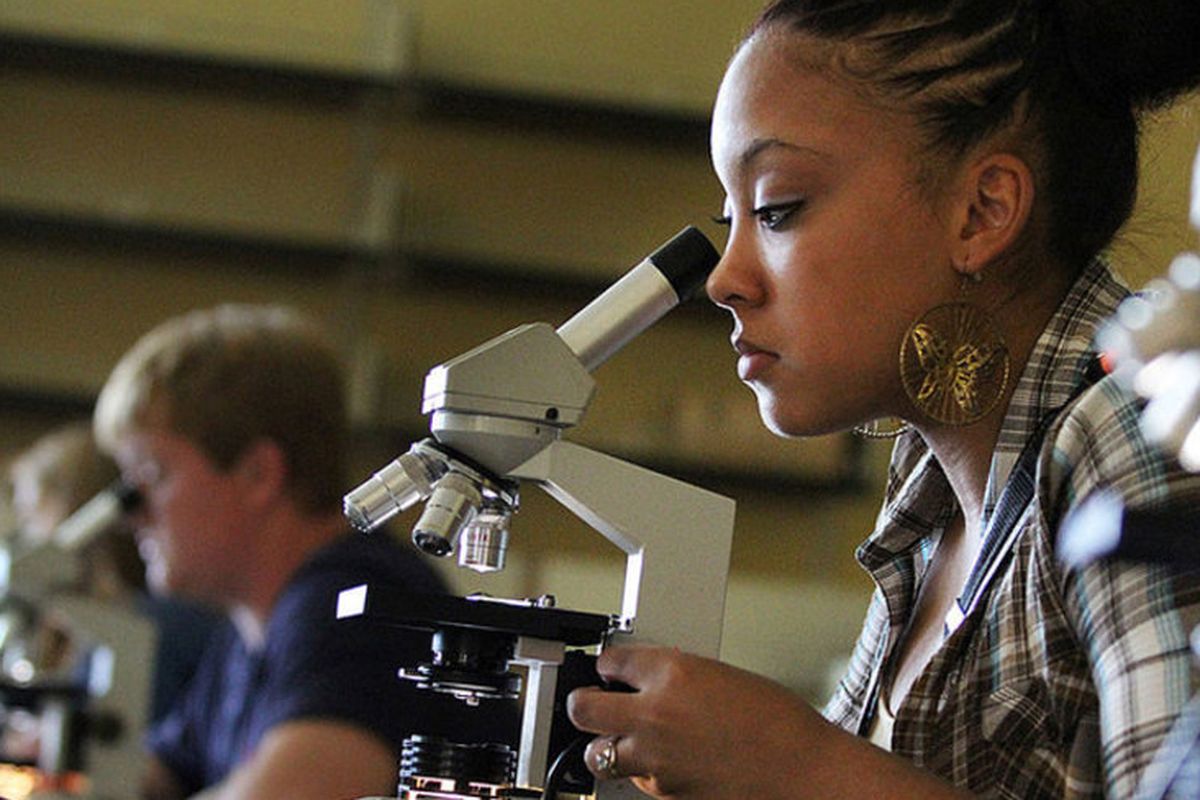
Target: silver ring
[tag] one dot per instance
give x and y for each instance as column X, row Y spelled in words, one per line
column 606, row 759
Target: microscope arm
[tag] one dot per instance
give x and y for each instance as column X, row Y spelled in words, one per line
column 676, row 538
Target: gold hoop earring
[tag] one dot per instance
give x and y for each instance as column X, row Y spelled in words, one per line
column 954, row 364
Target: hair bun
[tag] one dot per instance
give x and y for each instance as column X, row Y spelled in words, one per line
column 1144, row 51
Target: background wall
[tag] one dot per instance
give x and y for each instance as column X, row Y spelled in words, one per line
column 422, row 175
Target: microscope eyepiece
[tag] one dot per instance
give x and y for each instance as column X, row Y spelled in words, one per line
column 97, row 515
column 686, row 261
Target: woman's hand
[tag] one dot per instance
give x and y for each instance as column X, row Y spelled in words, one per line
column 694, row 727
column 698, row 729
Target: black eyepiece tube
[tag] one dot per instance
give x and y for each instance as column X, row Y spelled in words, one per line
column 686, row 262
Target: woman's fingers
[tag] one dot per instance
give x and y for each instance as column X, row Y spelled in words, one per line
column 630, row 723
column 597, row 710
column 611, row 758
column 631, row 664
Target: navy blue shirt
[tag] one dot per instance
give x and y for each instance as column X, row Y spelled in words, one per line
column 184, row 630
column 312, row 666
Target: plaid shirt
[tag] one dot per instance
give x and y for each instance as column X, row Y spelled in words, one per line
column 1060, row 683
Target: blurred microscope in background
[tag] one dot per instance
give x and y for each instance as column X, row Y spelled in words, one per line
column 76, row 655
column 1153, row 346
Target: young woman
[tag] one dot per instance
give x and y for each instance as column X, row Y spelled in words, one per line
column 918, row 192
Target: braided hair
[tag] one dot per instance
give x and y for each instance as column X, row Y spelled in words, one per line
column 1071, row 77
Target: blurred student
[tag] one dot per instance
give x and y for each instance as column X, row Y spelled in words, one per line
column 49, row 481
column 232, row 423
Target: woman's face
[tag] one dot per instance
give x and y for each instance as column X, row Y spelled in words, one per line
column 833, row 251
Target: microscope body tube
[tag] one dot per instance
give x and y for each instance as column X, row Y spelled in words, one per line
column 96, row 516
column 666, row 278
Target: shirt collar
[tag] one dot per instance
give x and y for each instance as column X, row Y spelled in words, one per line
column 1057, row 366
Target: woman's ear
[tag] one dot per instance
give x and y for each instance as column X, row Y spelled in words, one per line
column 994, row 209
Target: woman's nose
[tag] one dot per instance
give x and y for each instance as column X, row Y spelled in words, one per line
column 733, row 281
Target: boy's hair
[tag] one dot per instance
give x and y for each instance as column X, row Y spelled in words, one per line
column 229, row 376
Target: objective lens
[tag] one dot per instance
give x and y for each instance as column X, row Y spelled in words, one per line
column 389, row 491
column 452, row 506
column 485, row 540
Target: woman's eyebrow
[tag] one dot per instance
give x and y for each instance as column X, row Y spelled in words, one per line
column 759, row 146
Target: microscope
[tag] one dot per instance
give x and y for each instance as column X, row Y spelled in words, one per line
column 497, row 415
column 85, row 717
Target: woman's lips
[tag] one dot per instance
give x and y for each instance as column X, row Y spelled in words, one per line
column 752, row 360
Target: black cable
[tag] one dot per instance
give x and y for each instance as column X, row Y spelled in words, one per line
column 558, row 769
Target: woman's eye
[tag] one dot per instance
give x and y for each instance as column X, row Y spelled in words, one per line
column 724, row 220
column 772, row 217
